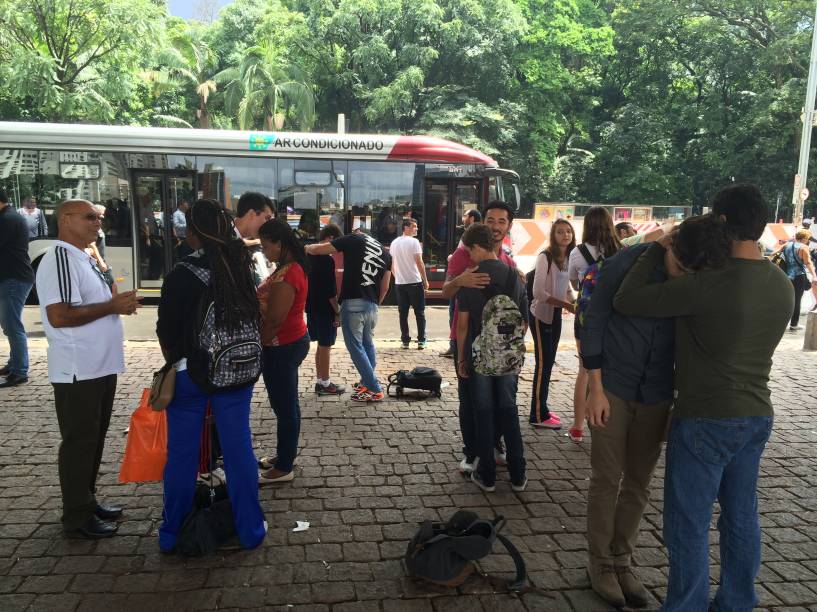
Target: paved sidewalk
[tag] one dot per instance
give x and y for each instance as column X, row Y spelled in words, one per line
column 365, row 476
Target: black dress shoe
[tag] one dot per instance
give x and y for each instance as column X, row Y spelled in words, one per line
column 107, row 512
column 12, row 380
column 94, row 529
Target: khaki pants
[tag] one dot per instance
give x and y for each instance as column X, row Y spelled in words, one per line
column 623, row 457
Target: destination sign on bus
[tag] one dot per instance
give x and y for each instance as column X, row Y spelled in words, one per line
column 266, row 142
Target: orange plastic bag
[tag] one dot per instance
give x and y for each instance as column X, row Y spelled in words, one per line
column 146, row 449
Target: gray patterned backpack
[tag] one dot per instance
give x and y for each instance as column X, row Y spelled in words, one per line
column 500, row 347
column 225, row 359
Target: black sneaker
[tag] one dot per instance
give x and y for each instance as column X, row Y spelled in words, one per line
column 477, row 480
column 449, row 354
column 406, row 345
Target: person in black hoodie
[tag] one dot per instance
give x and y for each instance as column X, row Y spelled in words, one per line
column 211, row 235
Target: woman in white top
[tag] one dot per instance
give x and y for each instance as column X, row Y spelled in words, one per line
column 550, row 294
column 599, row 241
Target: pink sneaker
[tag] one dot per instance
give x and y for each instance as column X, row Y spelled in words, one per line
column 553, row 422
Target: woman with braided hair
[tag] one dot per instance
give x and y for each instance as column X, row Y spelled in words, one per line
column 211, row 235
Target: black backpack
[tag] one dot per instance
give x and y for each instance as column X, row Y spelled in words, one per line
column 446, row 554
column 531, row 276
column 421, row 378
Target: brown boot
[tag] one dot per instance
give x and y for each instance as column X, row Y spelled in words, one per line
column 634, row 592
column 604, row 582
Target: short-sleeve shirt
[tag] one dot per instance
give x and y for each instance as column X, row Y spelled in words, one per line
column 322, row 285
column 364, row 263
column 403, row 251
column 473, row 301
column 179, row 224
column 460, row 261
column 69, row 275
column 294, row 327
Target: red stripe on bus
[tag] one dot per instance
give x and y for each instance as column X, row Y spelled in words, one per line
column 428, row 148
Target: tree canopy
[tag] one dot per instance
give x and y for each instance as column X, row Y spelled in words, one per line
column 609, row 101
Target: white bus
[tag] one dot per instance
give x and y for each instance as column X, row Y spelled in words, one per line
column 141, row 174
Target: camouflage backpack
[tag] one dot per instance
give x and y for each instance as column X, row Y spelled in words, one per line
column 500, row 347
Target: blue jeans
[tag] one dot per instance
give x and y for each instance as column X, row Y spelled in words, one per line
column 185, row 420
column 281, row 365
column 494, row 401
column 358, row 318
column 715, row 459
column 13, row 294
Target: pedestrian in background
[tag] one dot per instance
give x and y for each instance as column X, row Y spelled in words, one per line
column 800, row 270
column 282, row 298
column 599, row 241
column 410, row 282
column 253, row 210
column 323, row 311
column 16, row 279
column 221, row 258
column 81, row 319
column 36, row 222
column 550, row 293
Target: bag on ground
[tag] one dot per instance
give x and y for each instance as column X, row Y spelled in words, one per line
column 499, row 349
column 445, row 554
column 224, row 358
column 420, row 378
column 146, row 447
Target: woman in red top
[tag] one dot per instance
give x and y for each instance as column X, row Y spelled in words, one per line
column 282, row 298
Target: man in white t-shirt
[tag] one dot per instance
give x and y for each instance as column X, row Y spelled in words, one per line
column 410, row 281
column 253, row 210
column 85, row 353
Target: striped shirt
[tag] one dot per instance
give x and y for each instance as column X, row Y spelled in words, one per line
column 69, row 275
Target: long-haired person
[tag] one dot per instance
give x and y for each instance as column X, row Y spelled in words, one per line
column 551, row 293
column 286, row 342
column 222, row 256
column 599, row 241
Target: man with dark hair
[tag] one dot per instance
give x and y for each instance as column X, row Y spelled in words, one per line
column 253, row 210
column 16, row 278
column 470, row 217
column 462, row 273
column 323, row 311
column 410, row 282
column 493, row 397
column 728, row 322
column 625, row 229
column 366, row 276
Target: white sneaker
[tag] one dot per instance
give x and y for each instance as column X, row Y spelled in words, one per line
column 520, row 487
column 795, row 327
column 467, row 468
column 500, row 456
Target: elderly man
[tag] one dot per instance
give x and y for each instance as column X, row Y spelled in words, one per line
column 85, row 353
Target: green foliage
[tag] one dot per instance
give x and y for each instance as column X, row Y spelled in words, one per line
column 616, row 101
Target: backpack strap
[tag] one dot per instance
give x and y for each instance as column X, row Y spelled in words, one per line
column 203, row 274
column 586, row 254
column 510, row 282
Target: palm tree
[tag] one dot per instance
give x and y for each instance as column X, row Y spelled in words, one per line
column 263, row 85
column 186, row 60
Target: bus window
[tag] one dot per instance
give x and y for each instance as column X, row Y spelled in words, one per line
column 311, row 193
column 380, row 195
column 224, row 179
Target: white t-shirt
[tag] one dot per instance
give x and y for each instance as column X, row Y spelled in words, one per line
column 577, row 264
column 403, row 250
column 69, row 275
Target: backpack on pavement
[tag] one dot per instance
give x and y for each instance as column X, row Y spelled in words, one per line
column 420, row 378
column 500, row 347
column 445, row 554
column 225, row 358
column 587, row 283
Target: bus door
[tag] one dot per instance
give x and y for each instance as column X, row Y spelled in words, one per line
column 446, row 200
column 157, row 196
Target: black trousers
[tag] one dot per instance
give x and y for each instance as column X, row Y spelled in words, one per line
column 545, row 342
column 84, row 412
column 414, row 296
column 799, row 283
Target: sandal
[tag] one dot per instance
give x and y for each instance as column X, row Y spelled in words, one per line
column 575, row 434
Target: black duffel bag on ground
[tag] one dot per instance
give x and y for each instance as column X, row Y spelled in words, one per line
column 420, row 378
column 445, row 554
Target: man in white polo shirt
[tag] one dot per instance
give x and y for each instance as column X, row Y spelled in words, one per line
column 85, row 353
column 410, row 282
